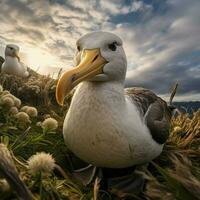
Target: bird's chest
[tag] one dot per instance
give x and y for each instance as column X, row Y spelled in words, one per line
column 100, row 130
column 93, row 129
column 93, row 120
column 11, row 65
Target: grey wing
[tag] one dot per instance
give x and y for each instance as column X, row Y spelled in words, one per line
column 154, row 111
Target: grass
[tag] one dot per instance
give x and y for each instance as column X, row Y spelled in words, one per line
column 175, row 174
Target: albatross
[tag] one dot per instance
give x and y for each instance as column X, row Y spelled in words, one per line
column 106, row 125
column 12, row 64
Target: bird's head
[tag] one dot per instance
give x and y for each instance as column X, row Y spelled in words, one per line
column 99, row 57
column 12, row 50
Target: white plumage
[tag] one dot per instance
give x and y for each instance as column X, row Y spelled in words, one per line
column 104, row 128
column 103, row 125
column 12, row 63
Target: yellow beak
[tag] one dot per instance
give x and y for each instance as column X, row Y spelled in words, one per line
column 91, row 65
column 18, row 58
column 16, row 54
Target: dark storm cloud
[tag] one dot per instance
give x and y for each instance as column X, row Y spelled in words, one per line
column 162, row 79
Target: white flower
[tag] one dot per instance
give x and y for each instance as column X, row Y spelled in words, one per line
column 8, row 95
column 17, row 102
column 5, row 92
column 31, row 111
column 13, row 110
column 50, row 124
column 24, row 108
column 41, row 162
column 23, row 117
column 7, row 101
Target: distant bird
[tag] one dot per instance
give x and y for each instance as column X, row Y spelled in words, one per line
column 107, row 126
column 12, row 63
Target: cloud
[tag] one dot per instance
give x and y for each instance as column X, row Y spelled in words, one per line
column 156, row 49
column 161, row 38
column 35, row 35
column 119, row 7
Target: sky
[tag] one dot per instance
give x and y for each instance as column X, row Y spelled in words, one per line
column 161, row 38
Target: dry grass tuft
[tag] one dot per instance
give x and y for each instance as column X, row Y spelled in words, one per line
column 185, row 131
column 176, row 173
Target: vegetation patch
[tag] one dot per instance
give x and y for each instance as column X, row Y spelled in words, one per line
column 35, row 160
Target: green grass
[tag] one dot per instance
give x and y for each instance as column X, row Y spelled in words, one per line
column 175, row 174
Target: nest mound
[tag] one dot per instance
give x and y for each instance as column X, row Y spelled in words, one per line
column 35, row 89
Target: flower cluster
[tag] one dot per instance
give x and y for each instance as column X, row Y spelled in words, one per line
column 31, row 111
column 12, row 105
column 23, row 117
column 8, row 100
column 13, row 110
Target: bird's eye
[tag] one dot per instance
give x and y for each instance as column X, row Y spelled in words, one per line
column 112, row 46
column 78, row 48
column 11, row 48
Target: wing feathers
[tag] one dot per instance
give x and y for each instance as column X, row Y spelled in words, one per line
column 154, row 110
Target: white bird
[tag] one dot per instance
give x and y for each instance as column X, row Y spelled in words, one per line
column 12, row 63
column 106, row 125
